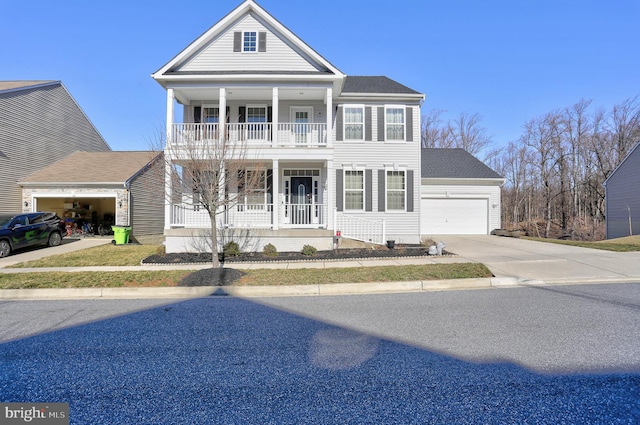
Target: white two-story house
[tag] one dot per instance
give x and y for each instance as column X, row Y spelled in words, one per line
column 342, row 153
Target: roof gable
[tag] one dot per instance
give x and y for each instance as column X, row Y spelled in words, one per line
column 213, row 51
column 626, row 159
column 453, row 163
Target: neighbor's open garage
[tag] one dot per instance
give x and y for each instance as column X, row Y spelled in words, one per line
column 97, row 210
column 454, row 216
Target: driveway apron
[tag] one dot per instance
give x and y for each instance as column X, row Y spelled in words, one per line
column 532, row 260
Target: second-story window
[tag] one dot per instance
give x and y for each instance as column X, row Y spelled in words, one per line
column 250, row 41
column 354, row 123
column 394, row 122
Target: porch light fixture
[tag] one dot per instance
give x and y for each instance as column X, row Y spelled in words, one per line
column 120, row 204
column 26, row 203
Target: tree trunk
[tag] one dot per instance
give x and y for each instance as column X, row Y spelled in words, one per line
column 215, row 261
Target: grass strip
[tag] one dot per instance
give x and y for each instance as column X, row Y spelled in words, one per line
column 255, row 277
column 628, row 244
column 104, row 255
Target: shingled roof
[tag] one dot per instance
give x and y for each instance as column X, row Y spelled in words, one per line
column 375, row 84
column 454, row 163
column 94, row 167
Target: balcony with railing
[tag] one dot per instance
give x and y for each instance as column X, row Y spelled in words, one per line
column 284, row 135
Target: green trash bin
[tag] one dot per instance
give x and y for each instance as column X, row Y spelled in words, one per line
column 121, row 234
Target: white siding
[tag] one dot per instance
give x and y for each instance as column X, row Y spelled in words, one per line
column 403, row 227
column 219, row 54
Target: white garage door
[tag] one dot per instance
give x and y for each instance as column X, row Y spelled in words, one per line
column 454, row 216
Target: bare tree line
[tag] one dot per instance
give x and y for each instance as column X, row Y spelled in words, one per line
column 556, row 169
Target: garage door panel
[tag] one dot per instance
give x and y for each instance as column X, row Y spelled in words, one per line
column 454, row 216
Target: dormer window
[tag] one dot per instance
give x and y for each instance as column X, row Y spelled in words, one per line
column 249, row 41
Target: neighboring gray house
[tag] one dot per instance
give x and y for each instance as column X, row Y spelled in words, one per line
column 458, row 194
column 40, row 123
column 122, row 188
column 622, row 197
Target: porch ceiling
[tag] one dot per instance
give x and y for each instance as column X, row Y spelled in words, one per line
column 188, row 95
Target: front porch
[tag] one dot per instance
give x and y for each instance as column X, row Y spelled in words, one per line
column 252, row 216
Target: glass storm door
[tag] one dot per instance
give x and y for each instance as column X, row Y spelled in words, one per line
column 301, row 199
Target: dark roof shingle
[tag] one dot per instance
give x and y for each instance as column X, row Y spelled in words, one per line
column 454, row 163
column 375, row 84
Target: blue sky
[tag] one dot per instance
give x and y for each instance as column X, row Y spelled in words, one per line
column 507, row 60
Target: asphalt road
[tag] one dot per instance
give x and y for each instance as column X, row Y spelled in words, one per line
column 562, row 354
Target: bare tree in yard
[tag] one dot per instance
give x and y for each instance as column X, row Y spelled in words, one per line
column 210, row 172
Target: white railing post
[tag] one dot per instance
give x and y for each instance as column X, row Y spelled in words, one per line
column 384, row 230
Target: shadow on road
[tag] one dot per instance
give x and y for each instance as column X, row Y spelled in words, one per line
column 228, row 360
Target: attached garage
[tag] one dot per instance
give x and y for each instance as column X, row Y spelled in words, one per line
column 454, row 216
column 459, row 195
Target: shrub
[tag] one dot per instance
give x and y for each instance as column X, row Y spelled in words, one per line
column 270, row 250
column 309, row 250
column 231, row 249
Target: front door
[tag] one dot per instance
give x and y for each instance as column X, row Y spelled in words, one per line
column 301, row 200
column 301, row 117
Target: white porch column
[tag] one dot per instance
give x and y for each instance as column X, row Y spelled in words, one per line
column 167, row 192
column 329, row 117
column 222, row 108
column 331, row 194
column 275, row 187
column 274, row 116
column 168, row 158
column 170, row 112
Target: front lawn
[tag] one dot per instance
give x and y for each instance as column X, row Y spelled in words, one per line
column 626, row 244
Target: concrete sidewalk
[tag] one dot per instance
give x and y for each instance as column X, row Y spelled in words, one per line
column 513, row 262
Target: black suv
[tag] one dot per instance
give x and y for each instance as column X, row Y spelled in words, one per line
column 22, row 230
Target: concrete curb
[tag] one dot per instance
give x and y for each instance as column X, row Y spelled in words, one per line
column 244, row 291
column 330, row 289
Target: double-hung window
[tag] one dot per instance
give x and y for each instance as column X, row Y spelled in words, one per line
column 354, row 123
column 252, row 187
column 394, row 123
column 354, row 190
column 396, row 190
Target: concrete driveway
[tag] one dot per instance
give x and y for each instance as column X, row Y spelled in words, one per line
column 553, row 263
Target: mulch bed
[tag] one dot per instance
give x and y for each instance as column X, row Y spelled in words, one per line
column 340, row 254
column 226, row 276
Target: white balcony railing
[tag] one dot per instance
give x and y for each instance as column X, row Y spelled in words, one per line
column 286, row 135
